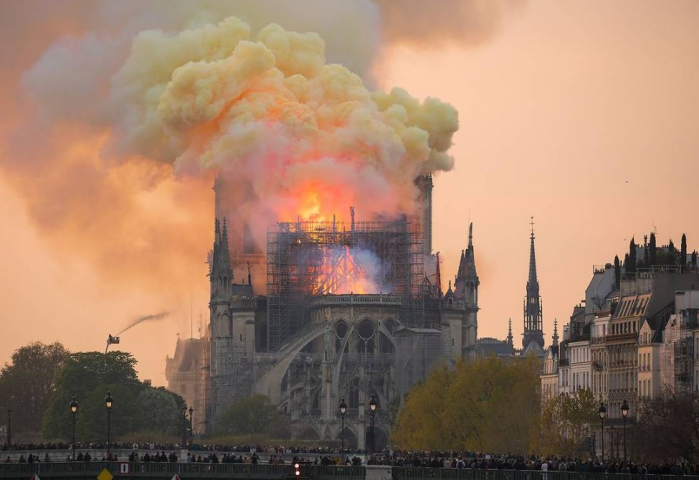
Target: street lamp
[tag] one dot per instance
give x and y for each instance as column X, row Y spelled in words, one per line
column 372, row 407
column 184, row 426
column 9, row 427
column 73, row 411
column 624, row 414
column 343, row 410
column 109, row 401
column 191, row 429
column 602, row 414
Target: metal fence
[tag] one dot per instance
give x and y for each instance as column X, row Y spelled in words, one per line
column 401, row 473
column 136, row 470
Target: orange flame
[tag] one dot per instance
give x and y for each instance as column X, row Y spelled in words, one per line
column 341, row 273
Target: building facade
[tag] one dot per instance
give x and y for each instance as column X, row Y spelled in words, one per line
column 634, row 337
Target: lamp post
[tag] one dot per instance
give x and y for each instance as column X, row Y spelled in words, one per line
column 372, row 407
column 73, row 411
column 343, row 409
column 602, row 414
column 184, row 426
column 191, row 429
column 109, row 401
column 9, row 427
column 624, row 414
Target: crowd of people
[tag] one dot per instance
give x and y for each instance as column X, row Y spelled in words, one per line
column 279, row 455
column 477, row 461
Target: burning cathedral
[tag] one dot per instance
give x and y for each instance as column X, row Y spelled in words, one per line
column 352, row 310
column 328, row 303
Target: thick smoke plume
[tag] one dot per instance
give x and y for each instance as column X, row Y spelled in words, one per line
column 121, row 113
column 146, row 318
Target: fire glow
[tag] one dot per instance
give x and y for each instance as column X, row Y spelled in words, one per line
column 346, row 270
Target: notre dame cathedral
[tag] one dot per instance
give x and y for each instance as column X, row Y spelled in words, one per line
column 349, row 311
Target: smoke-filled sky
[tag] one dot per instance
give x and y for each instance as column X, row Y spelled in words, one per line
column 581, row 114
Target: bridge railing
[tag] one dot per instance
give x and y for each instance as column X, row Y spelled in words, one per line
column 146, row 469
column 72, row 470
column 77, row 470
column 419, row 473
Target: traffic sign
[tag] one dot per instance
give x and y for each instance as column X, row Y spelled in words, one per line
column 105, row 475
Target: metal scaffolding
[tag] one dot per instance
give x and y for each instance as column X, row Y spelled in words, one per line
column 309, row 258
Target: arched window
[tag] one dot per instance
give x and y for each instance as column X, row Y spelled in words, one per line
column 354, row 393
column 340, row 334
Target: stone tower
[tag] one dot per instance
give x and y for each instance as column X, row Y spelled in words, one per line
column 533, row 319
column 466, row 290
column 220, row 278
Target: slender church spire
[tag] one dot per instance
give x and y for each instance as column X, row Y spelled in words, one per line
column 532, row 304
column 555, row 333
column 510, row 341
column 532, row 282
column 466, row 285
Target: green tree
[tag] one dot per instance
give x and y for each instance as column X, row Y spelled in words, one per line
column 671, row 257
column 566, row 421
column 694, row 258
column 683, row 250
column 28, row 386
column 670, row 420
column 630, row 264
column 653, row 254
column 126, row 413
column 488, row 405
column 646, row 256
column 617, row 272
column 419, row 422
column 88, row 376
column 160, row 411
column 249, row 416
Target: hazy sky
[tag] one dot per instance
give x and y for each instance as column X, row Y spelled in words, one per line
column 583, row 114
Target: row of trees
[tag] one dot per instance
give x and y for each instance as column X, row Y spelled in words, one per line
column 41, row 380
column 493, row 406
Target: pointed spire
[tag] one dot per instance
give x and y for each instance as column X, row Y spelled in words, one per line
column 470, row 254
column 510, row 341
column 532, row 260
column 533, row 320
column 249, row 275
column 466, row 286
column 555, row 332
column 224, row 238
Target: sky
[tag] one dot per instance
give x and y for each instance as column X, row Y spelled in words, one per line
column 584, row 115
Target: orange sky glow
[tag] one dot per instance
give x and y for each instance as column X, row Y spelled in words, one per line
column 582, row 114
